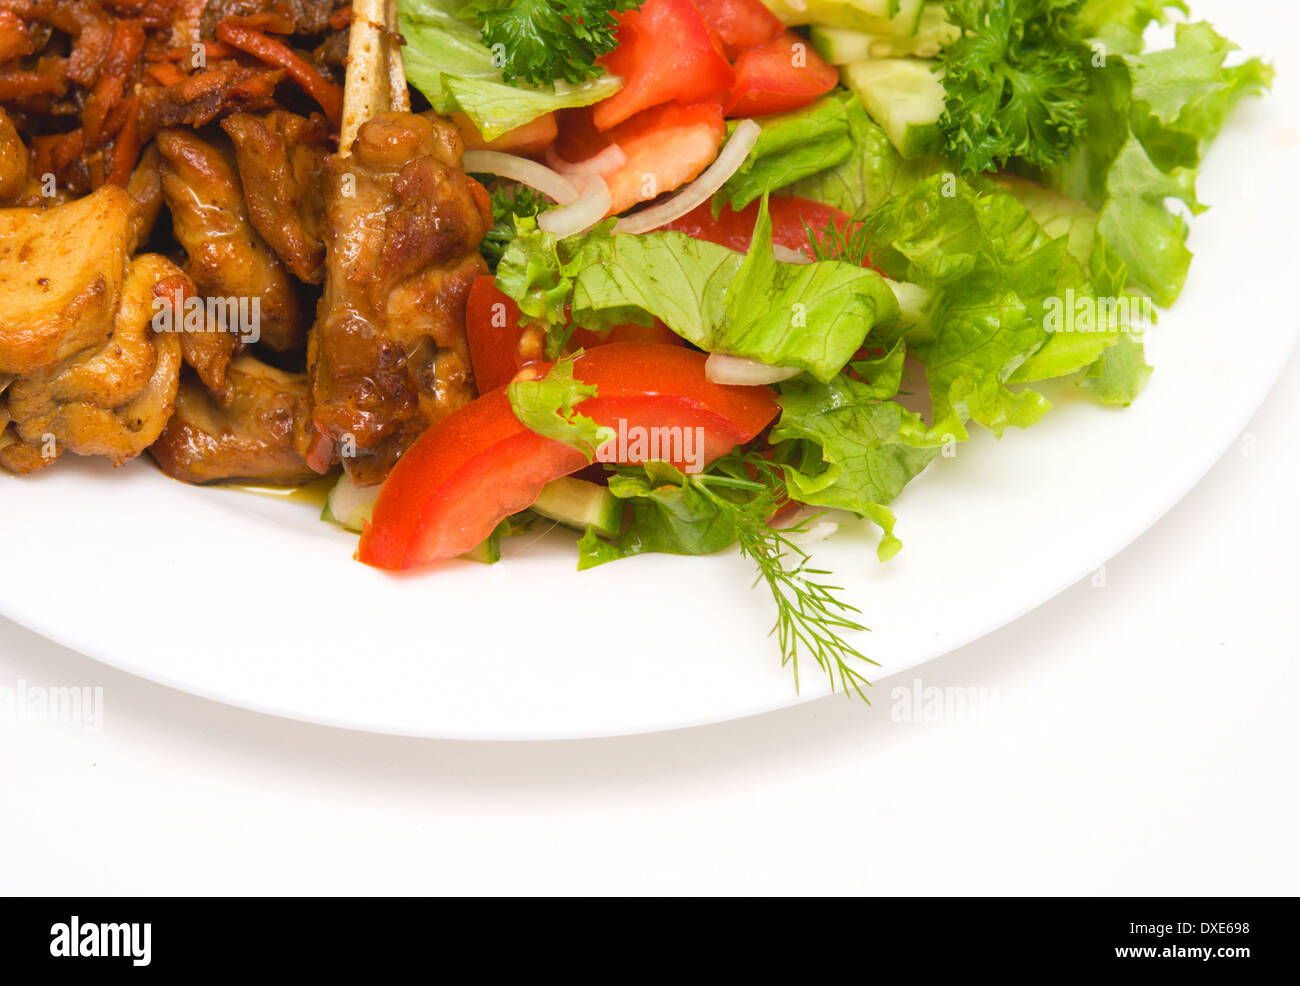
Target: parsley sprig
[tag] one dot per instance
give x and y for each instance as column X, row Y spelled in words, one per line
column 1015, row 82
column 544, row 41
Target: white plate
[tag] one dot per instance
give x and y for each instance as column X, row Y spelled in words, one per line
column 256, row 603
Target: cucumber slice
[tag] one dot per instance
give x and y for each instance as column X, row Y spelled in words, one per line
column 487, row 551
column 898, row 17
column 905, row 96
column 842, row 46
column 579, row 504
column 348, row 505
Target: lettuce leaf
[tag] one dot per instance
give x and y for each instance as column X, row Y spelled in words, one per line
column 1151, row 118
column 445, row 59
column 548, row 406
column 996, row 271
column 792, row 146
column 871, row 174
column 810, row 316
column 666, row 513
column 847, row 444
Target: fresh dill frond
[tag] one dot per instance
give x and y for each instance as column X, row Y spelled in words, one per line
column 810, row 616
column 845, row 240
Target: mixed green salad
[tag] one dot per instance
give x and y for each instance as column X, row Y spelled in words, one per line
column 830, row 237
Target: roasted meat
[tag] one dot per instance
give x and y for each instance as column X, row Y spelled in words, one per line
column 13, row 162
column 387, row 355
column 260, row 431
column 227, row 258
column 278, row 16
column 61, row 273
column 112, row 399
column 281, row 158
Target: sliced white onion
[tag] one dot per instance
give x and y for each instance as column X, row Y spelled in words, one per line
column 579, row 216
column 742, row 372
column 550, row 183
column 788, row 256
column 699, row 191
column 819, row 531
column 610, row 159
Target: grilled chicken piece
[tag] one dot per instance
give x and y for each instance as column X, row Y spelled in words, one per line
column 13, row 162
column 61, row 272
column 228, row 259
column 112, row 399
column 387, row 355
column 261, row 434
column 145, row 189
column 281, row 159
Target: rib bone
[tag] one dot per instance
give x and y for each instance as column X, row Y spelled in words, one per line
column 376, row 82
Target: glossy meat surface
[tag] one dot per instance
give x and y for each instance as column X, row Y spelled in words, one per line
column 111, row 400
column 387, row 355
column 260, row 430
column 281, row 159
column 61, row 286
column 227, row 257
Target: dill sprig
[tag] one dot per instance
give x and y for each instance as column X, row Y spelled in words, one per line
column 810, row 616
column 845, row 240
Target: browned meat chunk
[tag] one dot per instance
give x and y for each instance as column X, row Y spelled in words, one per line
column 228, row 259
column 281, row 158
column 13, row 162
column 261, row 435
column 145, row 189
column 113, row 399
column 225, row 88
column 60, row 285
column 278, row 16
column 387, row 355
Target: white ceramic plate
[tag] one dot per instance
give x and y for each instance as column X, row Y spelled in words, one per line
column 256, row 603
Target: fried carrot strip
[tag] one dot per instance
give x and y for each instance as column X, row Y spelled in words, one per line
column 328, row 95
column 165, row 73
column 212, row 51
column 341, row 18
column 126, row 148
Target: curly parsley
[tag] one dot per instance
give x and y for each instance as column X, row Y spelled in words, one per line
column 1016, row 82
column 543, row 41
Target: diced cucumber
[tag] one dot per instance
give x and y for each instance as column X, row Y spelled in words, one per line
column 349, row 505
column 900, row 17
column 579, row 504
column 487, row 551
column 842, row 46
column 905, row 96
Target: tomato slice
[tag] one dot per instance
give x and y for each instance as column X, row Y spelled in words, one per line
column 665, row 147
column 665, row 53
column 740, row 24
column 480, row 464
column 789, row 214
column 779, row 75
column 499, row 347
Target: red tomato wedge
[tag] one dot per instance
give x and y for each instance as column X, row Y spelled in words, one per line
column 480, row 464
column 665, row 146
column 779, row 75
column 740, row 24
column 736, row 229
column 665, row 53
column 499, row 347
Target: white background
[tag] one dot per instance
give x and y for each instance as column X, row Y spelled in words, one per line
column 1144, row 740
